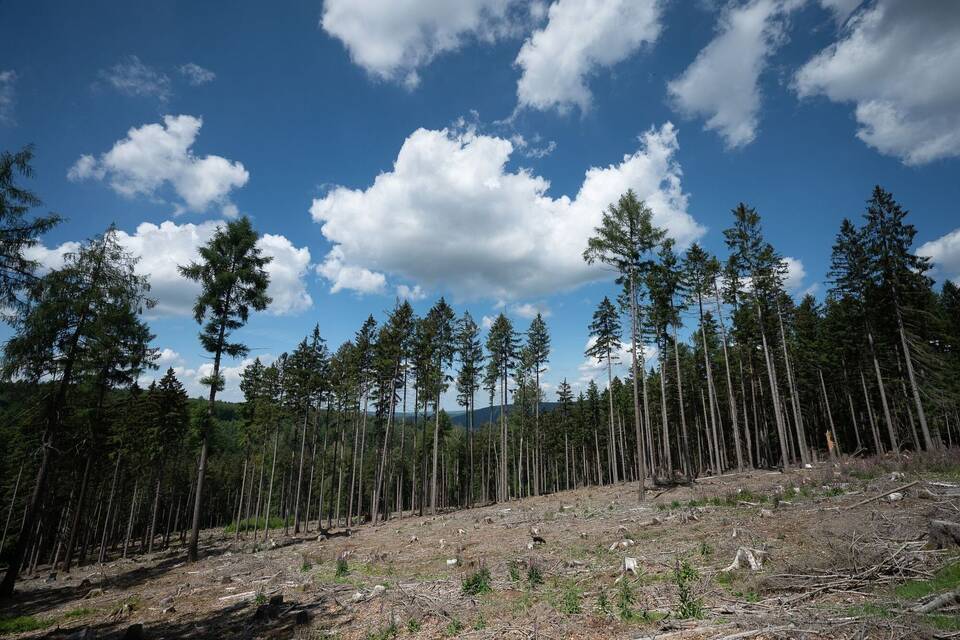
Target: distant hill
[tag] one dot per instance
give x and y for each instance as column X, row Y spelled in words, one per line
column 490, row 414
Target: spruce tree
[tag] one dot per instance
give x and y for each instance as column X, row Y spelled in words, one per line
column 626, row 240
column 232, row 283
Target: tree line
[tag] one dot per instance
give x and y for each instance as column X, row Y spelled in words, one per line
column 726, row 372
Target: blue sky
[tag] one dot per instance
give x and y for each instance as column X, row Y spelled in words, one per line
column 482, row 120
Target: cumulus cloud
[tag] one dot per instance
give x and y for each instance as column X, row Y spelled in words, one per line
column 156, row 155
column 162, row 248
column 595, row 369
column 529, row 310
column 392, row 40
column 197, row 75
column 412, row 294
column 899, row 64
column 722, row 84
column 944, row 252
column 133, row 78
column 8, row 96
column 481, row 230
column 580, row 37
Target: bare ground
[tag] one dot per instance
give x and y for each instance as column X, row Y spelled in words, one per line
column 833, row 568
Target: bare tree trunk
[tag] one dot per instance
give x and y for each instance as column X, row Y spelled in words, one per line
column 133, row 504
column 636, row 400
column 303, row 448
column 731, row 398
column 13, row 501
column 243, row 484
column 273, row 469
column 928, row 440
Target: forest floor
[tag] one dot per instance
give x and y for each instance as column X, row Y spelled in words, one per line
column 833, row 566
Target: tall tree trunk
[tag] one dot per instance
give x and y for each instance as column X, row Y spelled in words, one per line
column 928, row 440
column 303, row 448
column 636, row 399
column 731, row 398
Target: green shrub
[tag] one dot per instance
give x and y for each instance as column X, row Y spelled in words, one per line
column 688, row 605
column 534, row 575
column 342, row 568
column 477, row 582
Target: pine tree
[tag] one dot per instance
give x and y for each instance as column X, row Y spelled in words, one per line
column 538, row 348
column 233, row 281
column 470, row 355
column 605, row 329
column 17, row 233
column 626, row 240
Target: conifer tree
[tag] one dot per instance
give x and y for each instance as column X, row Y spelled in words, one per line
column 626, row 240
column 233, row 282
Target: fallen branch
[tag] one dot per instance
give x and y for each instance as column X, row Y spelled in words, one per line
column 941, row 601
column 881, row 495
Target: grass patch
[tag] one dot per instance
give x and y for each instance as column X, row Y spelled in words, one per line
column 946, row 578
column 343, row 569
column 20, row 624
column 570, row 599
column 256, row 524
column 79, row 612
column 943, row 622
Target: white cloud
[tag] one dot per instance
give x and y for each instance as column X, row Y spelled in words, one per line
column 581, row 36
column 529, row 310
column 841, row 9
column 167, row 357
column 155, row 155
column 8, row 97
column 190, row 377
column 197, row 75
column 486, row 322
column 449, row 214
column 410, row 293
column 133, row 78
column 722, row 83
column 796, row 272
column 945, row 254
column 162, row 248
column 391, row 40
column 50, row 258
column 899, row 63
column 343, row 276
column 595, row 369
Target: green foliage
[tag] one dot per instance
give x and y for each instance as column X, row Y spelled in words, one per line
column 571, row 599
column 685, row 576
column 477, row 582
column 602, row 605
column 256, row 524
column 626, row 598
column 342, row 568
column 480, row 623
column 413, row 625
column 454, row 628
column 21, row 624
column 534, row 575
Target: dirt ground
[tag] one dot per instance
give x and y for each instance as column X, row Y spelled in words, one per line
column 832, row 567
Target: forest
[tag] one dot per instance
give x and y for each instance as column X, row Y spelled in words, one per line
column 107, row 457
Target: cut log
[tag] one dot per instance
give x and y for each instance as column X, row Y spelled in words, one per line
column 941, row 601
column 944, row 534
